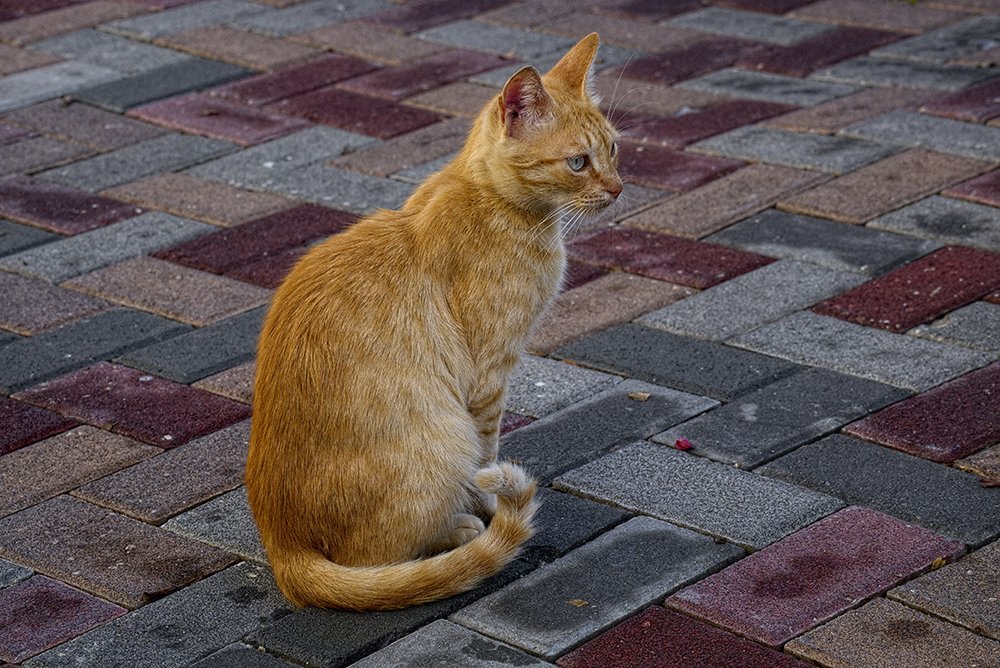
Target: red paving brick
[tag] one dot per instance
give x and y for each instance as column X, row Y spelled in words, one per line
column 270, row 271
column 816, row 573
column 368, row 42
column 659, row 638
column 687, row 62
column 667, row 258
column 947, row 423
column 511, row 421
column 31, row 306
column 690, row 125
column 295, row 80
column 395, row 83
column 59, row 208
column 578, row 273
column 808, row 55
column 920, row 291
column 134, row 403
column 24, row 424
column 649, row 10
column 419, row 15
column 661, row 167
column 769, row 6
column 983, row 189
column 40, row 613
column 976, row 103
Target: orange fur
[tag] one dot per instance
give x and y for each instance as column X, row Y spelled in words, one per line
column 383, row 362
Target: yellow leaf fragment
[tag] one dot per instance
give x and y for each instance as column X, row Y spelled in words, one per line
column 639, row 396
column 578, row 602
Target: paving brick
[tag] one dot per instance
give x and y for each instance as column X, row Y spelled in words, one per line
column 160, row 487
column 687, row 61
column 540, row 386
column 201, row 352
column 648, row 10
column 189, row 17
column 880, row 15
column 203, row 617
column 40, row 613
column 411, row 18
column 947, row 220
column 456, row 99
column 961, row 593
column 595, row 586
column 652, row 99
column 14, row 237
column 868, row 71
column 239, row 47
column 11, row 133
column 32, row 306
column 660, row 167
column 893, row 483
column 293, row 80
column 201, row 199
column 235, row 383
column 513, row 43
column 81, row 545
column 903, row 361
column 684, row 490
column 919, row 292
column 43, row 356
column 811, row 54
column 985, row 464
column 734, row 82
column 25, row 424
column 342, row 189
column 691, row 124
column 878, row 188
column 179, row 293
column 691, row 643
column 606, row 301
column 937, row 134
column 165, row 153
column 822, row 242
column 591, row 427
column 751, row 300
column 112, row 51
column 369, row 42
column 166, row 81
column 607, row 56
column 58, row 208
column 309, row 15
column 37, row 153
column 44, row 83
column 85, row 252
column 565, row 522
column 63, row 462
column 749, row 25
column 423, row 171
column 836, row 114
column 958, row 39
column 11, row 574
column 813, row 575
column 239, row 655
column 14, row 59
column 883, row 631
column 83, row 124
column 355, row 113
column 67, row 19
column 614, row 30
column 413, row 148
column 400, row 81
column 976, row 104
column 983, row 189
column 632, row 200
column 974, row 326
column 225, row 522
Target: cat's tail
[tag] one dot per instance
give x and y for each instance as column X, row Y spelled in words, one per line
column 312, row 579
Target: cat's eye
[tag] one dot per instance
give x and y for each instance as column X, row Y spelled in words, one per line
column 577, row 162
column 614, row 149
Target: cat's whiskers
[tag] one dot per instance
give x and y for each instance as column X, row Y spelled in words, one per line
column 552, row 218
column 611, row 110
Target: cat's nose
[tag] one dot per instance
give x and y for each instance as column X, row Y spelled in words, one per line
column 614, row 189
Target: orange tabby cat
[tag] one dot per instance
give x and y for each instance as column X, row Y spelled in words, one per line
column 383, row 363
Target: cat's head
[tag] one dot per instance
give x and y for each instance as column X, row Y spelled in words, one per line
column 553, row 146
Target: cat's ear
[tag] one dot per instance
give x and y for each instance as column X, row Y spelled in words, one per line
column 523, row 102
column 574, row 69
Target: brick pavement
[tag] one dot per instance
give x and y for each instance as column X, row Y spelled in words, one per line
column 765, row 410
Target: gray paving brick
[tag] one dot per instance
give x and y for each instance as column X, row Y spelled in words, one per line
column 962, row 38
column 908, row 128
column 185, row 17
column 938, row 497
column 767, row 423
column 743, row 508
column 751, row 300
column 165, row 81
column 608, row 54
column 341, row 188
column 795, row 149
column 419, row 173
column 445, row 644
column 180, row 628
column 895, row 359
column 308, row 15
column 501, row 40
column 44, row 83
column 201, row 352
column 626, row 412
column 974, row 326
column 37, row 358
column 539, row 386
column 949, row 220
column 823, row 242
column 112, row 51
column 701, row 367
column 224, row 522
column 868, row 71
column 239, row 655
column 11, row 573
column 36, row 153
column 768, row 87
column 167, row 152
column 260, row 166
column 72, row 256
column 754, row 26
column 15, row 237
column 564, row 603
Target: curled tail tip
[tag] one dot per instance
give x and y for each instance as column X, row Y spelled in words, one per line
column 506, row 480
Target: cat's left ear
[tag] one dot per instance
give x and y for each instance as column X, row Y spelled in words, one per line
column 574, row 69
column 524, row 104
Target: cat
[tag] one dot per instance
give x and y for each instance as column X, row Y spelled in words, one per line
column 383, row 362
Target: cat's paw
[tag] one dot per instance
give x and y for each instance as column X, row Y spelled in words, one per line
column 503, row 479
column 466, row 527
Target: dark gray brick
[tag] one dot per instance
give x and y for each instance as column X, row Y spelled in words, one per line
column 169, row 152
column 929, row 494
column 184, row 18
column 43, row 356
column 745, row 84
column 628, row 411
column 782, row 416
column 908, row 128
column 118, row 53
column 181, row 628
column 956, row 40
column 948, row 220
column 511, row 42
column 702, row 367
column 44, row 83
column 308, row 15
column 754, row 26
column 591, row 588
column 165, row 81
column 225, row 522
column 868, row 71
column 15, row 237
column 744, row 508
column 445, row 644
column 565, row 522
column 201, row 352
column 974, row 326
column 11, row 573
column 824, row 242
column 239, row 655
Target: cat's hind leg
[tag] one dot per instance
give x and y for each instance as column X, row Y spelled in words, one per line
column 460, row 529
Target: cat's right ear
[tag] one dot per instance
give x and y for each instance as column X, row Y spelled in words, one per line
column 524, row 103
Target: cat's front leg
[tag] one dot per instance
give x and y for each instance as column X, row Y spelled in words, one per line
column 486, row 409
